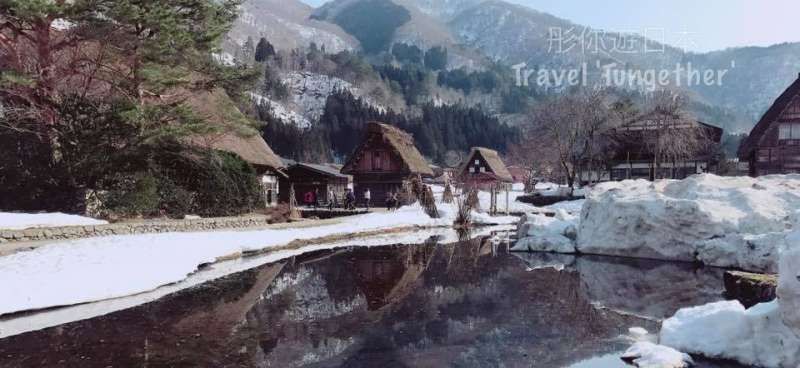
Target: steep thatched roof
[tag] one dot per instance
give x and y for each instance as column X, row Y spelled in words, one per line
column 781, row 103
column 235, row 135
column 399, row 141
column 493, row 160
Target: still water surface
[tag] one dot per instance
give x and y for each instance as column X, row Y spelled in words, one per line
column 467, row 304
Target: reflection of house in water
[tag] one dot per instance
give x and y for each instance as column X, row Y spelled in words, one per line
column 388, row 275
column 418, row 305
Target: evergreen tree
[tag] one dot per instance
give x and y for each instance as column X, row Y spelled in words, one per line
column 436, row 58
column 264, row 50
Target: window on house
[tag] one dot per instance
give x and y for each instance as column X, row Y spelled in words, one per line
column 471, row 169
column 789, row 131
column 477, row 162
column 483, row 169
column 377, row 161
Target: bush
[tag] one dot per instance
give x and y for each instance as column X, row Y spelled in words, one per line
column 133, row 195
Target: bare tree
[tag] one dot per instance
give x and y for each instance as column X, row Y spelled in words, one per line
column 569, row 130
column 670, row 135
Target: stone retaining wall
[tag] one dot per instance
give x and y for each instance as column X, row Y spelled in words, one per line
column 123, row 228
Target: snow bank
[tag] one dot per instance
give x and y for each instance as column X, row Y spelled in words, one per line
column 19, row 221
column 726, row 330
column 767, row 335
column 789, row 282
column 720, row 221
column 646, row 354
column 540, row 233
column 101, row 268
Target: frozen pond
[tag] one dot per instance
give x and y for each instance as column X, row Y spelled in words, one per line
column 467, row 304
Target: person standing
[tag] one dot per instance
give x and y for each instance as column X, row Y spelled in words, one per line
column 367, row 197
column 308, row 198
column 389, row 203
column 350, row 200
column 331, row 199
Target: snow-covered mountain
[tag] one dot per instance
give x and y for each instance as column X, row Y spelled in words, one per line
column 287, row 24
column 475, row 31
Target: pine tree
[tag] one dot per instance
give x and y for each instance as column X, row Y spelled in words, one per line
column 264, row 50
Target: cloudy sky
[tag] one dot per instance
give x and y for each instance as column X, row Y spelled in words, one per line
column 698, row 25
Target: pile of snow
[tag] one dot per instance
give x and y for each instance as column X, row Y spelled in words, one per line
column 766, row 335
column 547, row 189
column 547, row 234
column 725, row 330
column 94, row 269
column 20, row 221
column 720, row 221
column 646, row 354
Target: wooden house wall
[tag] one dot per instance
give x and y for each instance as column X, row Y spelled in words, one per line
column 380, row 170
column 475, row 178
column 379, row 185
column 306, row 180
column 379, row 157
column 774, row 155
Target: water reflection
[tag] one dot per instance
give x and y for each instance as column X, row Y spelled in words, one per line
column 430, row 305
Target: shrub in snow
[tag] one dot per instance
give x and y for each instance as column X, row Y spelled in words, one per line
column 721, row 221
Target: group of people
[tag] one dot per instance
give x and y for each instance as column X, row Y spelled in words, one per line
column 312, row 199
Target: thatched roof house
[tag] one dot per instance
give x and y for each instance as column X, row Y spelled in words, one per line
column 235, row 133
column 773, row 146
column 385, row 158
column 400, row 145
column 484, row 167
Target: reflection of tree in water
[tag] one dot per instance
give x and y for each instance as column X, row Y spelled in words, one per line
column 401, row 306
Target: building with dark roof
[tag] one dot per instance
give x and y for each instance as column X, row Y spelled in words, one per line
column 313, row 178
column 773, row 146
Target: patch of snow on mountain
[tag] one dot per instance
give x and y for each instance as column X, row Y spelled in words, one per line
column 310, row 92
column 281, row 113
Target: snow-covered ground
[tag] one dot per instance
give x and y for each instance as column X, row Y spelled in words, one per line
column 86, row 270
column 19, row 221
column 485, row 199
column 721, row 221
